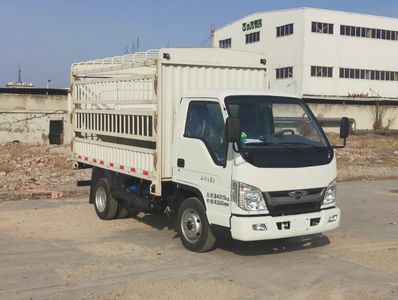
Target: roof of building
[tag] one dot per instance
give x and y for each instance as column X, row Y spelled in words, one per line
column 305, row 8
column 34, row 91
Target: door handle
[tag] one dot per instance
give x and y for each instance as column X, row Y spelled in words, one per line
column 180, row 162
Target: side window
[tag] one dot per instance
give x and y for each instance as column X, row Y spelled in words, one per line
column 206, row 123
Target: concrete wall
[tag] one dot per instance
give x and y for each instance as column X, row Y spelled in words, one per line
column 363, row 114
column 26, row 117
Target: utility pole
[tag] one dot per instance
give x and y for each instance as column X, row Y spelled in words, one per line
column 19, row 74
column 138, row 43
column 132, row 47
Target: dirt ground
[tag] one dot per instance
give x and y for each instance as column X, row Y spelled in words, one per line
column 25, row 167
column 59, row 249
column 367, row 156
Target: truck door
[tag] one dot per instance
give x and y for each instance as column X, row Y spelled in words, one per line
column 201, row 155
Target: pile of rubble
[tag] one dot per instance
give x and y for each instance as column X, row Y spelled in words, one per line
column 33, row 170
column 28, row 171
column 367, row 156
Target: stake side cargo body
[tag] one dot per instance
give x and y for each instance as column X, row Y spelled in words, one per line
column 152, row 126
column 133, row 98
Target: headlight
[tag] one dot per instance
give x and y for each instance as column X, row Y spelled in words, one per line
column 330, row 194
column 248, row 197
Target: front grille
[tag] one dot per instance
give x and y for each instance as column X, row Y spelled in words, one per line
column 293, row 209
column 286, row 193
column 279, row 203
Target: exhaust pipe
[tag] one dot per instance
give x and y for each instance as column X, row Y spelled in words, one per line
column 75, row 165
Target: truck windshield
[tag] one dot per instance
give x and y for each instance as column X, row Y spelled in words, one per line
column 278, row 132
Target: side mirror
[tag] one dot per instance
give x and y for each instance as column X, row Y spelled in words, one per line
column 344, row 131
column 232, row 130
column 344, row 128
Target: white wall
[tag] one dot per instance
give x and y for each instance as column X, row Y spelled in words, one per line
column 278, row 50
column 348, row 52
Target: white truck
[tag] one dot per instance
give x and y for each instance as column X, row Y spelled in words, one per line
column 197, row 134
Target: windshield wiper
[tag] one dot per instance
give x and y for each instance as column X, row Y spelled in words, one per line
column 283, row 145
column 319, row 148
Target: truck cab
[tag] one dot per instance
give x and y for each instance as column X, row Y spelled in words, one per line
column 276, row 179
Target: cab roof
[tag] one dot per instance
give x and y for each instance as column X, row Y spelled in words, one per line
column 222, row 93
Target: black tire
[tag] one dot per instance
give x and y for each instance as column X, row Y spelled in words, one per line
column 133, row 211
column 105, row 205
column 122, row 212
column 193, row 226
column 126, row 211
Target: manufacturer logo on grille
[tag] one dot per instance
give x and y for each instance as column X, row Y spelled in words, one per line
column 297, row 194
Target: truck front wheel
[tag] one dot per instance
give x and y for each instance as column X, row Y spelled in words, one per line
column 193, row 226
column 105, row 205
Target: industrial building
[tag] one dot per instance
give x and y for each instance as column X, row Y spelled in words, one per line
column 33, row 115
column 341, row 63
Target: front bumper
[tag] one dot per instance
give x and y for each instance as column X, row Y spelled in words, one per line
column 284, row 226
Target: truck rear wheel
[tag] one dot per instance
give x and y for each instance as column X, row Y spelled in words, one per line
column 193, row 226
column 105, row 205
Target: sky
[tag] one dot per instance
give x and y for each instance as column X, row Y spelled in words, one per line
column 46, row 36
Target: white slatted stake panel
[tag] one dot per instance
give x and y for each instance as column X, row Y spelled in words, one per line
column 114, row 115
column 126, row 124
column 129, row 160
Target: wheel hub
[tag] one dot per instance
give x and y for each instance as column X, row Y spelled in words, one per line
column 191, row 225
column 100, row 199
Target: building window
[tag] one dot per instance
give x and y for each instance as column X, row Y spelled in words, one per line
column 371, row 33
column 225, row 43
column 252, row 37
column 286, row 72
column 322, row 27
column 368, row 74
column 284, row 30
column 317, row 71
